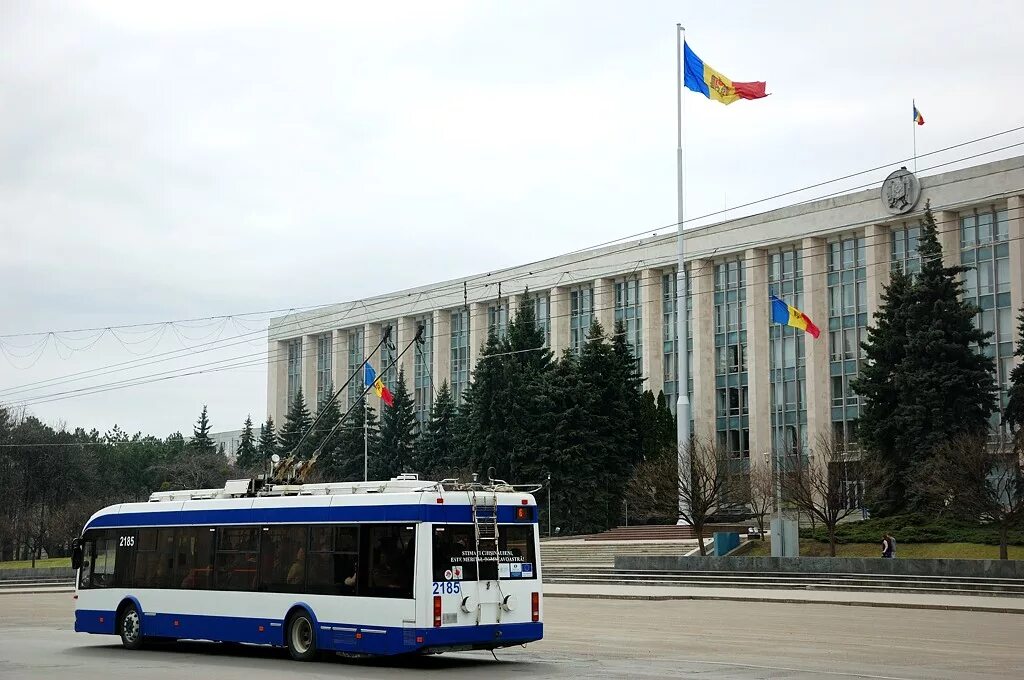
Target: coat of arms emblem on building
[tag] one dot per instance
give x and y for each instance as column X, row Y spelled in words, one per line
column 900, row 192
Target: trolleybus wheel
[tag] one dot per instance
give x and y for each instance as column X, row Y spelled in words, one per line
column 129, row 625
column 301, row 637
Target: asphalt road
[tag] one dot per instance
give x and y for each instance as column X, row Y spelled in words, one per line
column 584, row 639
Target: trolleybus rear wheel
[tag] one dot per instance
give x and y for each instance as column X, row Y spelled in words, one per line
column 301, row 637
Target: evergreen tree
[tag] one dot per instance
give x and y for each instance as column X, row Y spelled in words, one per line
column 327, row 416
column 295, row 425
column 201, row 440
column 435, row 448
column 478, row 429
column 246, row 457
column 397, row 434
column 1014, row 415
column 343, row 461
column 942, row 386
column 267, row 444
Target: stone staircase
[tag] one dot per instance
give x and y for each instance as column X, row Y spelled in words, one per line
column 560, row 556
column 661, row 532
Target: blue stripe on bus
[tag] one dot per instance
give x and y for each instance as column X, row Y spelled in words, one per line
column 344, row 513
column 340, row 637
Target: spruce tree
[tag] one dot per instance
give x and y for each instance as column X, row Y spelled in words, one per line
column 267, row 444
column 247, row 458
column 327, row 416
column 941, row 388
column 201, row 440
column 397, row 433
column 435, row 448
column 480, row 426
column 341, row 459
column 295, row 425
column 1014, row 414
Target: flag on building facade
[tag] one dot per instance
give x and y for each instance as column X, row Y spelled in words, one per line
column 791, row 316
column 700, row 77
column 918, row 118
column 370, row 378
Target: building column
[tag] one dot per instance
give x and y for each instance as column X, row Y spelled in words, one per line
column 339, row 363
column 559, row 320
column 604, row 305
column 371, row 336
column 702, row 292
column 652, row 360
column 1014, row 208
column 512, row 302
column 815, row 299
column 948, row 226
column 442, row 359
column 755, row 262
column 477, row 332
column 406, row 332
column 277, row 381
column 309, row 371
column 878, row 262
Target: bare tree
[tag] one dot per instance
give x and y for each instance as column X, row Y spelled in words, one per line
column 762, row 494
column 713, row 486
column 814, row 484
column 975, row 479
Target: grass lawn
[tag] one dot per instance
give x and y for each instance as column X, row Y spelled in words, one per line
column 968, row 551
column 55, row 562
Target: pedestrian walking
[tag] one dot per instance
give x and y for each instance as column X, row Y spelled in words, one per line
column 886, row 546
column 892, row 546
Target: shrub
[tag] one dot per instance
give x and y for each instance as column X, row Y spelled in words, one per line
column 914, row 528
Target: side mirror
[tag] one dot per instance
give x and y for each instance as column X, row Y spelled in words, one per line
column 76, row 553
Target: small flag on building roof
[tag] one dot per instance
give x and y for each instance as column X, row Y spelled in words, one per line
column 791, row 316
column 918, row 118
column 700, row 77
column 370, row 378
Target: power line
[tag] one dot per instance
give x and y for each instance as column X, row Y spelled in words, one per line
column 142, row 380
column 309, row 321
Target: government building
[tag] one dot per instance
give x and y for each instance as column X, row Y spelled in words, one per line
column 757, row 388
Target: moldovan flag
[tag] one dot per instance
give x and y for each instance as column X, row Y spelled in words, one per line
column 700, row 77
column 918, row 118
column 370, row 378
column 791, row 316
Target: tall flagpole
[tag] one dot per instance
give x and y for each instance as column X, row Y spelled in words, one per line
column 914, row 103
column 682, row 399
column 366, row 437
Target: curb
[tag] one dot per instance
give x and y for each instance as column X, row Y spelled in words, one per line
column 16, row 591
column 734, row 598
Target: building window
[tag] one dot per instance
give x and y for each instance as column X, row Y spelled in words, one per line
column 731, row 406
column 905, row 242
column 324, row 360
column 423, row 366
column 460, row 353
column 542, row 313
column 786, row 349
column 294, row 368
column 581, row 315
column 355, row 361
column 497, row 319
column 670, row 334
column 629, row 311
column 984, row 246
column 388, row 353
column 847, row 329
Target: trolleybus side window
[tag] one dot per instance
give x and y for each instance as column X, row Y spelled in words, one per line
column 235, row 563
column 390, row 551
column 193, row 559
column 147, row 560
column 283, row 559
column 333, row 561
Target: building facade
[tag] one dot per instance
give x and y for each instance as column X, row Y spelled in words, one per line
column 756, row 388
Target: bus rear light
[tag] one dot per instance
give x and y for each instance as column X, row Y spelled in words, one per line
column 437, row 611
column 535, row 606
column 440, row 501
column 525, row 502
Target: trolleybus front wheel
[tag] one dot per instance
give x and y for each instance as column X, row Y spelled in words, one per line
column 129, row 625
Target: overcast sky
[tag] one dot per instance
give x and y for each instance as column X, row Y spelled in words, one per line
column 164, row 161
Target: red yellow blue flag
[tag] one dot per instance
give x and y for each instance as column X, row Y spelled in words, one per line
column 370, row 378
column 918, row 118
column 791, row 316
column 700, row 77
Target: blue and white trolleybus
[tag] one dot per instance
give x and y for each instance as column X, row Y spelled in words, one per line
column 394, row 567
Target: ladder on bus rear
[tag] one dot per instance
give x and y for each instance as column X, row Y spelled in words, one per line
column 485, row 524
